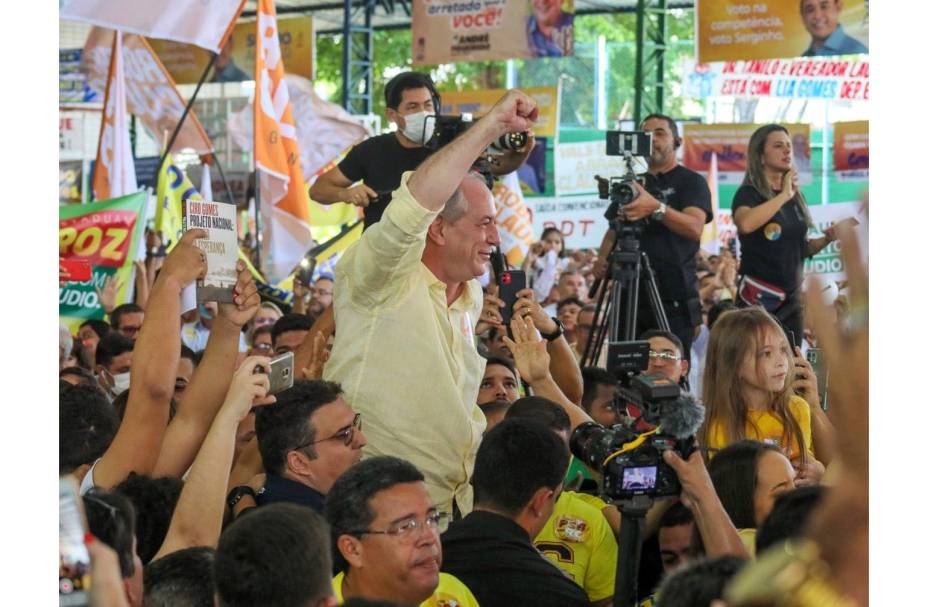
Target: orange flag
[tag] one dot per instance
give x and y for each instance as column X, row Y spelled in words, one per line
column 284, row 199
column 114, row 170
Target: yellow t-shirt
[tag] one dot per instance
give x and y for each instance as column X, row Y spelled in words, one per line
column 769, row 429
column 578, row 539
column 749, row 539
column 451, row 592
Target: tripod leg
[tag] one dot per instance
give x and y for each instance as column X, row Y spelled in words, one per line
column 594, row 341
column 654, row 297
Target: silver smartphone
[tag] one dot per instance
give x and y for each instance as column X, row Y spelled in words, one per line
column 280, row 373
column 817, row 362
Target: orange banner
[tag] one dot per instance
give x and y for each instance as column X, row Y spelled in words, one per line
column 852, row 149
column 284, row 199
column 729, row 142
column 733, row 30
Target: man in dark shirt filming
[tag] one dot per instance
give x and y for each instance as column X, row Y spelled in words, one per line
column 373, row 168
column 517, row 480
column 671, row 237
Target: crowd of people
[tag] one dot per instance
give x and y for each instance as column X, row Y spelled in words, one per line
column 422, row 456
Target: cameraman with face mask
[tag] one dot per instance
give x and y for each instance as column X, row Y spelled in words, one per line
column 375, row 165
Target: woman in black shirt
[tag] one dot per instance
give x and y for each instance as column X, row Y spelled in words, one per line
column 772, row 220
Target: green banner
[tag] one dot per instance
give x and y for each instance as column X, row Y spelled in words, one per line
column 107, row 234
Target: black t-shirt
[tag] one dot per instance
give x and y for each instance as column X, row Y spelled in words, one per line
column 773, row 253
column 381, row 161
column 673, row 257
column 496, row 560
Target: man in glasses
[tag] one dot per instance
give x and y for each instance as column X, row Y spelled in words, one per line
column 127, row 320
column 309, row 438
column 666, row 355
column 385, row 529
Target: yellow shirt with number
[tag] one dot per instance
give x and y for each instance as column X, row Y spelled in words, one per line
column 578, row 539
column 451, row 592
column 405, row 358
column 768, row 428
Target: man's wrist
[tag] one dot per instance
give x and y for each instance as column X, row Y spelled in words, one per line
column 552, row 329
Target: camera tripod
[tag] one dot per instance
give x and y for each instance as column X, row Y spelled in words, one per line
column 618, row 294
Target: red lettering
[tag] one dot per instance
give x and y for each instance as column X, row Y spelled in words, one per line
column 586, row 223
column 729, row 67
column 567, row 227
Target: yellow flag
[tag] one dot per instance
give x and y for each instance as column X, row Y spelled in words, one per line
column 173, row 188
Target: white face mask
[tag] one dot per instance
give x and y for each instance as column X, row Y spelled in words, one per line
column 419, row 127
column 120, row 383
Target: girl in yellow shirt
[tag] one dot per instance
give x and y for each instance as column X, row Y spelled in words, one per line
column 746, row 389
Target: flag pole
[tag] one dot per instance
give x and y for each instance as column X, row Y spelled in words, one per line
column 222, row 176
column 180, row 123
column 258, row 238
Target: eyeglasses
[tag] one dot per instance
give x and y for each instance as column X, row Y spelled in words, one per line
column 346, row 434
column 409, row 528
column 664, row 355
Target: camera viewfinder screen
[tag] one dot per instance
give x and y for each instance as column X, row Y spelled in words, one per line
column 639, row 478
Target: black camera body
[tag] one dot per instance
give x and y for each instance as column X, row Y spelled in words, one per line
column 629, row 455
column 447, row 127
column 639, row 471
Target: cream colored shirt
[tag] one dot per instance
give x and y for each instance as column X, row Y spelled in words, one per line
column 405, row 358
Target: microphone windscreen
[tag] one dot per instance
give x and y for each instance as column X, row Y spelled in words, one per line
column 682, row 417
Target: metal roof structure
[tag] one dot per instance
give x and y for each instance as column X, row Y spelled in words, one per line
column 329, row 15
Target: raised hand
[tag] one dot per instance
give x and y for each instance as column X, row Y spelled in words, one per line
column 490, row 315
column 805, row 383
column 359, row 195
column 107, row 296
column 527, row 307
column 318, row 358
column 186, row 262
column 246, row 299
column 514, row 113
column 248, row 389
column 529, row 350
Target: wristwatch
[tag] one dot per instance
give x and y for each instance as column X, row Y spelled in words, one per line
column 237, row 493
column 658, row 215
column 557, row 332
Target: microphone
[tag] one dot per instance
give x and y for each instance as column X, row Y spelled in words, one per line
column 682, row 417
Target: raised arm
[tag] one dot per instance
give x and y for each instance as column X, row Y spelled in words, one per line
column 309, row 356
column 715, row 527
column 197, row 519
column 564, row 368
column 438, row 177
column 137, row 444
column 210, row 381
column 533, row 362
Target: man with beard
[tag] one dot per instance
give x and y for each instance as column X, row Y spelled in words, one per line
column 671, row 234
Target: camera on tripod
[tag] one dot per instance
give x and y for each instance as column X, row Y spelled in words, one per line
column 660, row 417
column 629, row 145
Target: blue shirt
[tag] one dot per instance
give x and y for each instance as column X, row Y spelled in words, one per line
column 560, row 43
column 279, row 489
column 838, row 43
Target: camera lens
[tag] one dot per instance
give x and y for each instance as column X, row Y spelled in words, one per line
column 513, row 141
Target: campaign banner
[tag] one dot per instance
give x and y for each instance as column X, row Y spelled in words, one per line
column 731, row 30
column 107, row 234
column 580, row 218
column 827, row 264
column 70, row 134
column 236, row 62
column 72, row 82
column 70, row 181
column 479, row 103
column 577, row 164
column 448, row 31
column 812, row 78
column 730, row 144
column 852, row 150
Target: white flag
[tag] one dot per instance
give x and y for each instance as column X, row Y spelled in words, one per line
column 114, row 172
column 710, row 232
column 202, row 23
column 512, row 219
column 206, row 186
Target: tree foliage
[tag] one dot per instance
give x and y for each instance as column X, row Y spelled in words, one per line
column 577, row 74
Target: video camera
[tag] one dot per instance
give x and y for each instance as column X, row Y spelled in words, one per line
column 629, row 145
column 447, row 127
column 660, row 417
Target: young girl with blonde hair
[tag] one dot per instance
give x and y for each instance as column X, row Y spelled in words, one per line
column 749, row 372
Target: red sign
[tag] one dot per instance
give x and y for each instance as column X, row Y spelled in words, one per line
column 102, row 238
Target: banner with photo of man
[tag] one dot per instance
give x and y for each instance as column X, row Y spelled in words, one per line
column 236, row 61
column 448, row 31
column 733, row 30
column 729, row 142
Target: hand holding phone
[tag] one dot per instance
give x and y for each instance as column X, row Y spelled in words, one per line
column 510, row 283
column 280, row 373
